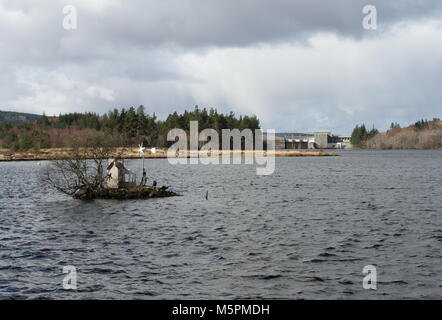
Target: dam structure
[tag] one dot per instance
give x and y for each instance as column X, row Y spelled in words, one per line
column 317, row 140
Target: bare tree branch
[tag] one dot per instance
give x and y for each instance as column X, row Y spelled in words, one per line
column 84, row 167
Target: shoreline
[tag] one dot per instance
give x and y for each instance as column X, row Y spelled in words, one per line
column 132, row 153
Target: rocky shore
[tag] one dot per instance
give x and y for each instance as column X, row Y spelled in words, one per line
column 132, row 153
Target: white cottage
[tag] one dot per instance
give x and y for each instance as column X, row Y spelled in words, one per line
column 119, row 176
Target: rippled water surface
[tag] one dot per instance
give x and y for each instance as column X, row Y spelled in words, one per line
column 307, row 231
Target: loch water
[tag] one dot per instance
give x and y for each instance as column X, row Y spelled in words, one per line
column 305, row 232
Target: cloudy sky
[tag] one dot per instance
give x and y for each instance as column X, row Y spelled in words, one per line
column 298, row 65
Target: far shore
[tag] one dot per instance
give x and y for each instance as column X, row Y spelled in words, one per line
column 132, row 153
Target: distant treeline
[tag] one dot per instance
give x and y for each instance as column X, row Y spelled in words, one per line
column 130, row 126
column 17, row 118
column 424, row 134
column 360, row 135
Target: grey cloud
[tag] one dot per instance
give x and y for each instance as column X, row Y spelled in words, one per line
column 190, row 23
column 31, row 33
column 131, row 52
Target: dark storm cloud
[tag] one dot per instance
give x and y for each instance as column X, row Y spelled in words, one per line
column 33, row 29
column 199, row 23
column 252, row 56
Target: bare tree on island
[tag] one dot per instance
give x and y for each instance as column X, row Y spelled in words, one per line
column 83, row 170
column 83, row 173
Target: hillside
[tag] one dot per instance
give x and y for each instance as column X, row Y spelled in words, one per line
column 421, row 135
column 17, row 118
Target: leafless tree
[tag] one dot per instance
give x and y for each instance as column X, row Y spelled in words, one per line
column 84, row 166
column 407, row 138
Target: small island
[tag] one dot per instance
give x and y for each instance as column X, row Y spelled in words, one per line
column 121, row 183
column 90, row 172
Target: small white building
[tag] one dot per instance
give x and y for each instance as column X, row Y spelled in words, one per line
column 119, row 176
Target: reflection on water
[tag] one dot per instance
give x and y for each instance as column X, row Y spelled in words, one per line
column 307, row 231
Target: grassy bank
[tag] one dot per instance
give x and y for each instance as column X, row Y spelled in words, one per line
column 132, row 153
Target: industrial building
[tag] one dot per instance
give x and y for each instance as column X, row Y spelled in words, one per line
column 318, row 140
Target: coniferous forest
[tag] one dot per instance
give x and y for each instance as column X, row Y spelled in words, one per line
column 127, row 126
